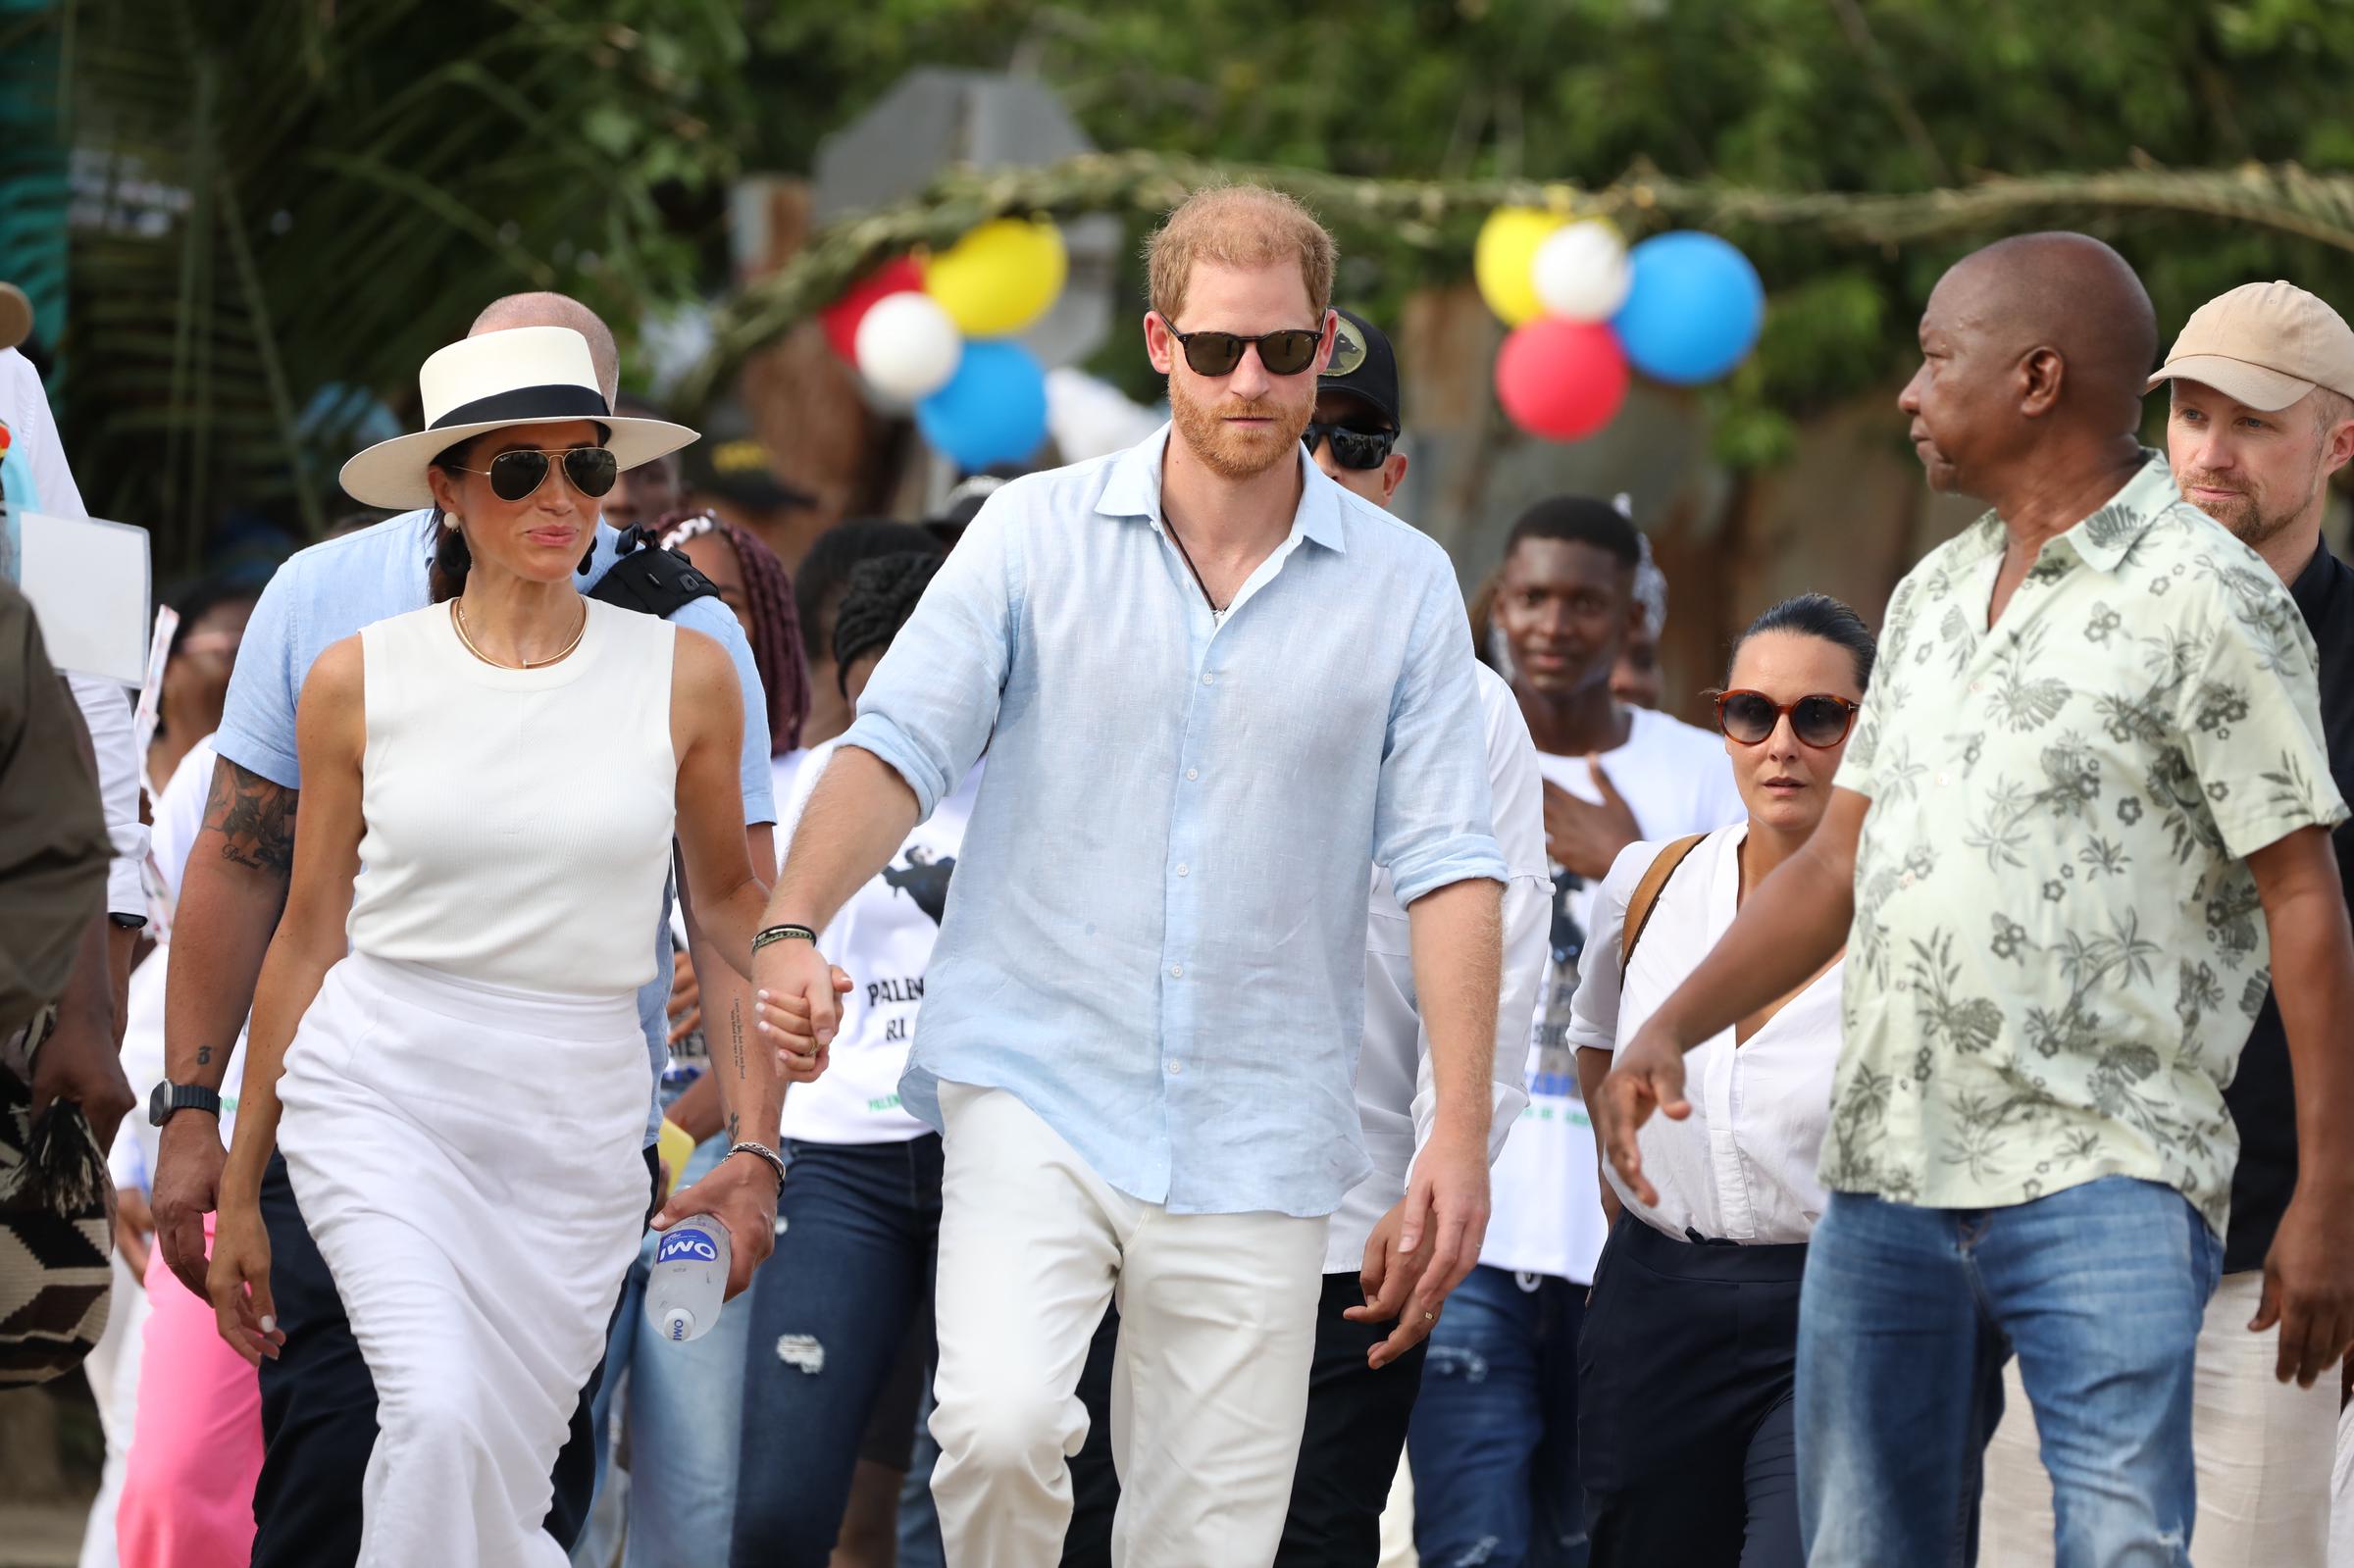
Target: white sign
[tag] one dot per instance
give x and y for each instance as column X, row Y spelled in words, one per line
column 89, row 584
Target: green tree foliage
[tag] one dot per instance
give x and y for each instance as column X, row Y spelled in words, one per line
column 1776, row 95
column 285, row 196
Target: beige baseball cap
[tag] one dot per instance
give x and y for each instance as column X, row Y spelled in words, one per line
column 16, row 316
column 2264, row 345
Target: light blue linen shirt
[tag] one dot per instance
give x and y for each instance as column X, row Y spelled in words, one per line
column 1156, row 936
column 325, row 593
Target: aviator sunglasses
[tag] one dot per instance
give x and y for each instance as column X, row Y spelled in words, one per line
column 1284, row 353
column 1357, row 449
column 1818, row 721
column 517, row 474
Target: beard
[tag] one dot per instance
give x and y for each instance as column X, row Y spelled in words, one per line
column 2249, row 519
column 1238, row 454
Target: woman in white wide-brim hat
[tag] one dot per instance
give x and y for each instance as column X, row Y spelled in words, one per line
column 490, row 788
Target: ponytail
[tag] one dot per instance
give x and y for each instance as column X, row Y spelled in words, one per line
column 451, row 557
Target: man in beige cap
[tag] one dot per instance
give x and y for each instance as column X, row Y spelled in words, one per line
column 2262, row 389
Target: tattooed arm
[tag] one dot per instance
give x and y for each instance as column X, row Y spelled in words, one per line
column 229, row 898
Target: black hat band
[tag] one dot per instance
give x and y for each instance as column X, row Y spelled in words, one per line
column 528, row 404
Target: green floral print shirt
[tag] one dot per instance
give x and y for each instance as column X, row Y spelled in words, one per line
column 2058, row 949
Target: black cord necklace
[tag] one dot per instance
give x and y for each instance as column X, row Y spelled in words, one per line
column 1217, row 611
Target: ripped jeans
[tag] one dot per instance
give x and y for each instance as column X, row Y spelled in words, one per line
column 858, row 1243
column 1494, row 1438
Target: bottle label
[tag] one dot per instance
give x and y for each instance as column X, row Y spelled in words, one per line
column 693, row 1245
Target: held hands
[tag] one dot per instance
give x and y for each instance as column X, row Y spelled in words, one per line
column 1389, row 1278
column 1585, row 836
column 1647, row 1075
column 1432, row 1245
column 238, row 1283
column 798, row 1006
column 2309, row 1291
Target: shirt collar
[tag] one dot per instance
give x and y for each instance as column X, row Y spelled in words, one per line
column 2317, row 585
column 2105, row 538
column 1134, row 491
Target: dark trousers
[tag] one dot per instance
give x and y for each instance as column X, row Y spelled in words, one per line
column 1687, row 1370
column 831, row 1310
column 1494, row 1440
column 1357, row 1420
column 319, row 1411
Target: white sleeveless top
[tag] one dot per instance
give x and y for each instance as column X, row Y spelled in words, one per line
column 517, row 822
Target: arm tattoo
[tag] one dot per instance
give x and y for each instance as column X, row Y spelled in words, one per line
column 736, row 1035
column 255, row 818
column 204, row 1055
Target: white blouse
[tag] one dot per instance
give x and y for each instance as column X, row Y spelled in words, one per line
column 1741, row 1167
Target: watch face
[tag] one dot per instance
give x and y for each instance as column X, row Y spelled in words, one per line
column 159, row 1104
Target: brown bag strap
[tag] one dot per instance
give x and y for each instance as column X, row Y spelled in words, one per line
column 1647, row 894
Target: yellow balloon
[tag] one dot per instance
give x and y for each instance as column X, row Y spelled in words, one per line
column 1504, row 261
column 999, row 278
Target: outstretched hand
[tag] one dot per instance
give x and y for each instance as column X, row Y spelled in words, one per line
column 1647, row 1075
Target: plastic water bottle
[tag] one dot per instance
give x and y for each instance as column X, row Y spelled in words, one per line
column 688, row 1278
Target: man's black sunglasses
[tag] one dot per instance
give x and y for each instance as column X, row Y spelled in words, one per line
column 516, row 474
column 1359, row 449
column 1284, row 353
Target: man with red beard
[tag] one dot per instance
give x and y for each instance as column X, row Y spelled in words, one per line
column 1209, row 681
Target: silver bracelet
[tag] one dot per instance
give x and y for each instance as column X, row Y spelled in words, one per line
column 776, row 1161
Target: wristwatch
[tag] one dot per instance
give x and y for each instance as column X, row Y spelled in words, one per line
column 170, row 1097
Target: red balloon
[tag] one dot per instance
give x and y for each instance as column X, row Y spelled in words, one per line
column 1562, row 380
column 898, row 276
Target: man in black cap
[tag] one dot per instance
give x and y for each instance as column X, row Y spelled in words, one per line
column 1353, row 436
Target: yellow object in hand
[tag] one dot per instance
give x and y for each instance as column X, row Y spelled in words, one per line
column 676, row 1145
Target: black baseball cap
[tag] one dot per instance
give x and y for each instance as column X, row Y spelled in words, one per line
column 1363, row 364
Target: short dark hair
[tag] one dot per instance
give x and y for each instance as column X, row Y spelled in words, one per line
column 825, row 571
column 1579, row 520
column 1818, row 615
column 205, row 595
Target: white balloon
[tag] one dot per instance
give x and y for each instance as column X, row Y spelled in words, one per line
column 907, row 346
column 1582, row 273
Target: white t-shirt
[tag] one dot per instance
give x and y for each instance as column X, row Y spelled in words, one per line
column 179, row 815
column 883, row 938
column 1396, row 1095
column 1548, row 1199
column 1741, row 1168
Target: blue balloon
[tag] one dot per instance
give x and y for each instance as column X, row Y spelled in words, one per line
column 994, row 409
column 1693, row 310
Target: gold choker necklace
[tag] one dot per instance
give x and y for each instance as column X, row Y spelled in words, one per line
column 457, row 618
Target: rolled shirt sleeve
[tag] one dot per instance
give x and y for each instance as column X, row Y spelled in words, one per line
column 257, row 721
column 1432, row 813
column 932, row 700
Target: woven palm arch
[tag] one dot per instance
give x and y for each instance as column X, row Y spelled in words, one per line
column 1439, row 217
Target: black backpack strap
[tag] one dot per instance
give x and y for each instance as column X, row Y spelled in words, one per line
column 650, row 580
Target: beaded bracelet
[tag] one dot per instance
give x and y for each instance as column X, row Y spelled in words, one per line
column 776, row 1161
column 778, row 933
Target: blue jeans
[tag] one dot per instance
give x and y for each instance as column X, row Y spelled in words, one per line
column 1906, row 1319
column 1494, row 1437
column 683, row 1407
column 859, row 1233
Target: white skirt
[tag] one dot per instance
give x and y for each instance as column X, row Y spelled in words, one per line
column 467, row 1158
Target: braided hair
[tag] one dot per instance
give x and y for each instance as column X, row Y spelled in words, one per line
column 776, row 623
column 881, row 594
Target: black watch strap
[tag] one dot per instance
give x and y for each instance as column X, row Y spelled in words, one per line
column 169, row 1097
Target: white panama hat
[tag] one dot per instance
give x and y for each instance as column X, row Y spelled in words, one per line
column 492, row 382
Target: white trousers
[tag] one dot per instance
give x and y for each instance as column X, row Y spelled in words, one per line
column 465, row 1157
column 2263, row 1447
column 1209, row 1389
column 2341, row 1506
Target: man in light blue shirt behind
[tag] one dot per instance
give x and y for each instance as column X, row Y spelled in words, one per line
column 1211, row 683
column 318, row 1402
